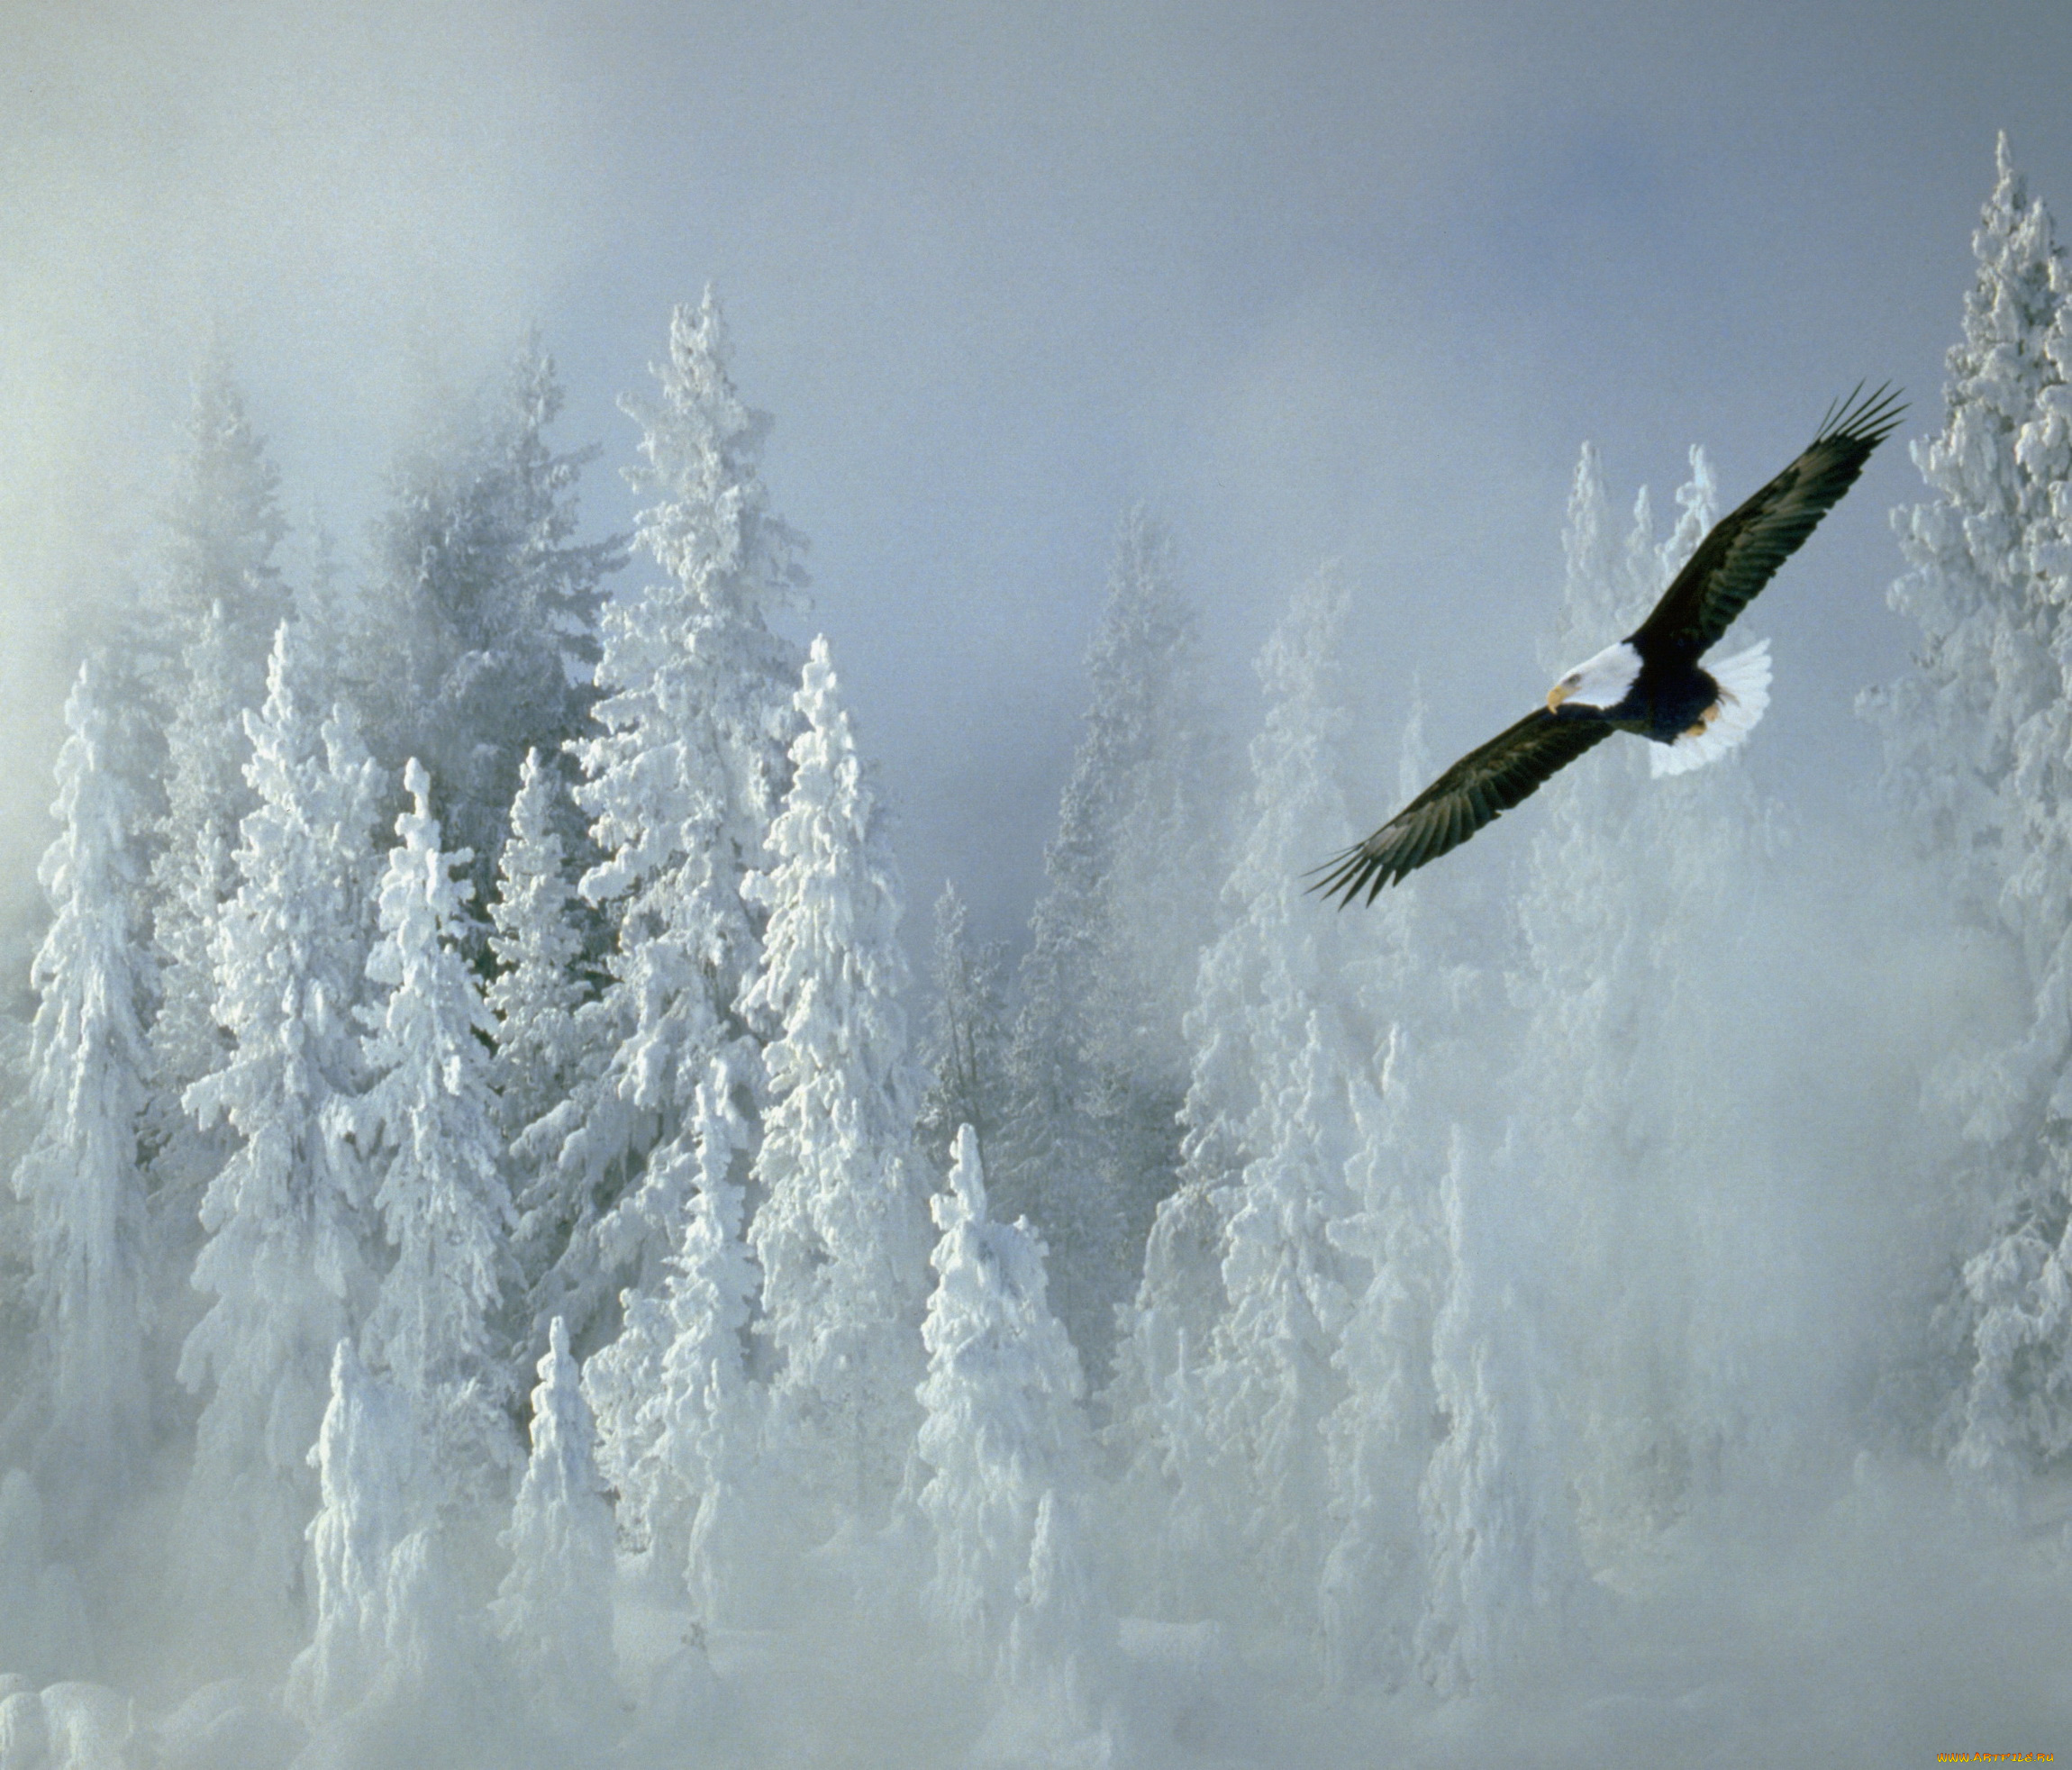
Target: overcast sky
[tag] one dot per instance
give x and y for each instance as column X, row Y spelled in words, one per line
column 1314, row 281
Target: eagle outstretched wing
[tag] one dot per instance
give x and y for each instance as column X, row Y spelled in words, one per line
column 1744, row 550
column 1478, row 789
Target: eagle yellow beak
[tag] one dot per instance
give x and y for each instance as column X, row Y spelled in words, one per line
column 1560, row 693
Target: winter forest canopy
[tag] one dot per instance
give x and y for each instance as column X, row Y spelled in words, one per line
column 504, row 1266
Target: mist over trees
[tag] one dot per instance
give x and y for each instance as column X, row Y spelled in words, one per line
column 514, row 1270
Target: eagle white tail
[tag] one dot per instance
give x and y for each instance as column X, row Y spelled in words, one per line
column 1744, row 682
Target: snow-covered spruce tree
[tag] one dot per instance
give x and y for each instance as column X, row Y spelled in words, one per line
column 1098, row 1064
column 211, row 613
column 538, row 949
column 287, row 1258
column 681, row 785
column 1436, row 985
column 679, row 1418
column 367, row 1456
column 476, row 642
column 1984, row 667
column 1503, row 1563
column 1003, row 1442
column 1282, row 1047
column 88, row 1069
column 397, row 1667
column 964, row 1053
column 426, row 1125
column 538, row 986
column 1636, row 912
column 1977, row 736
column 553, row 1611
column 838, row 1234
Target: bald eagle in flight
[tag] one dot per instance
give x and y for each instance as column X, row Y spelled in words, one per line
column 1650, row 683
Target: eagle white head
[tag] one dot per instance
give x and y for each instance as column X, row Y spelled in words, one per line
column 1600, row 682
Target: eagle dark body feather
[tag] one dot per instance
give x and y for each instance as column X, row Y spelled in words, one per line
column 1670, row 692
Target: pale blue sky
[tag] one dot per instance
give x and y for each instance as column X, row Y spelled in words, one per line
column 1314, row 280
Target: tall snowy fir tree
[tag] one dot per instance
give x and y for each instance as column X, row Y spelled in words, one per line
column 537, row 946
column 679, row 1418
column 287, row 1258
column 554, row 1608
column 538, row 950
column 88, row 1074
column 839, row 1232
column 1639, row 911
column 681, row 786
column 1282, row 1049
column 367, row 1456
column 426, row 1126
column 1610, row 1002
column 1432, row 979
column 1977, row 738
column 210, row 613
column 1984, row 667
column 1503, row 1569
column 964, row 1052
column 1097, row 1065
column 476, row 641
column 1003, row 1437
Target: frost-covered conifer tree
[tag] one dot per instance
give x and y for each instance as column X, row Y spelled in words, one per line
column 554, row 1608
column 681, row 786
column 477, row 640
column 1634, row 890
column 839, row 1233
column 1433, row 978
column 679, row 1417
column 534, row 996
column 1977, row 736
column 1002, row 1439
column 427, row 1125
column 1984, row 666
column 1589, row 1030
column 287, row 1261
column 88, row 1080
column 213, row 610
column 1282, row 1046
column 537, row 947
column 1636, row 912
column 1503, row 1563
column 367, row 1457
column 1098, row 1064
column 965, row 1052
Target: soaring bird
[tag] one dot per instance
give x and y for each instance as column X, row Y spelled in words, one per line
column 1650, row 683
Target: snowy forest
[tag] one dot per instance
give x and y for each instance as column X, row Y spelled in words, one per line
column 504, row 1265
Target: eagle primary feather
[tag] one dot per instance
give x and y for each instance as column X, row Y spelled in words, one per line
column 1667, row 696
